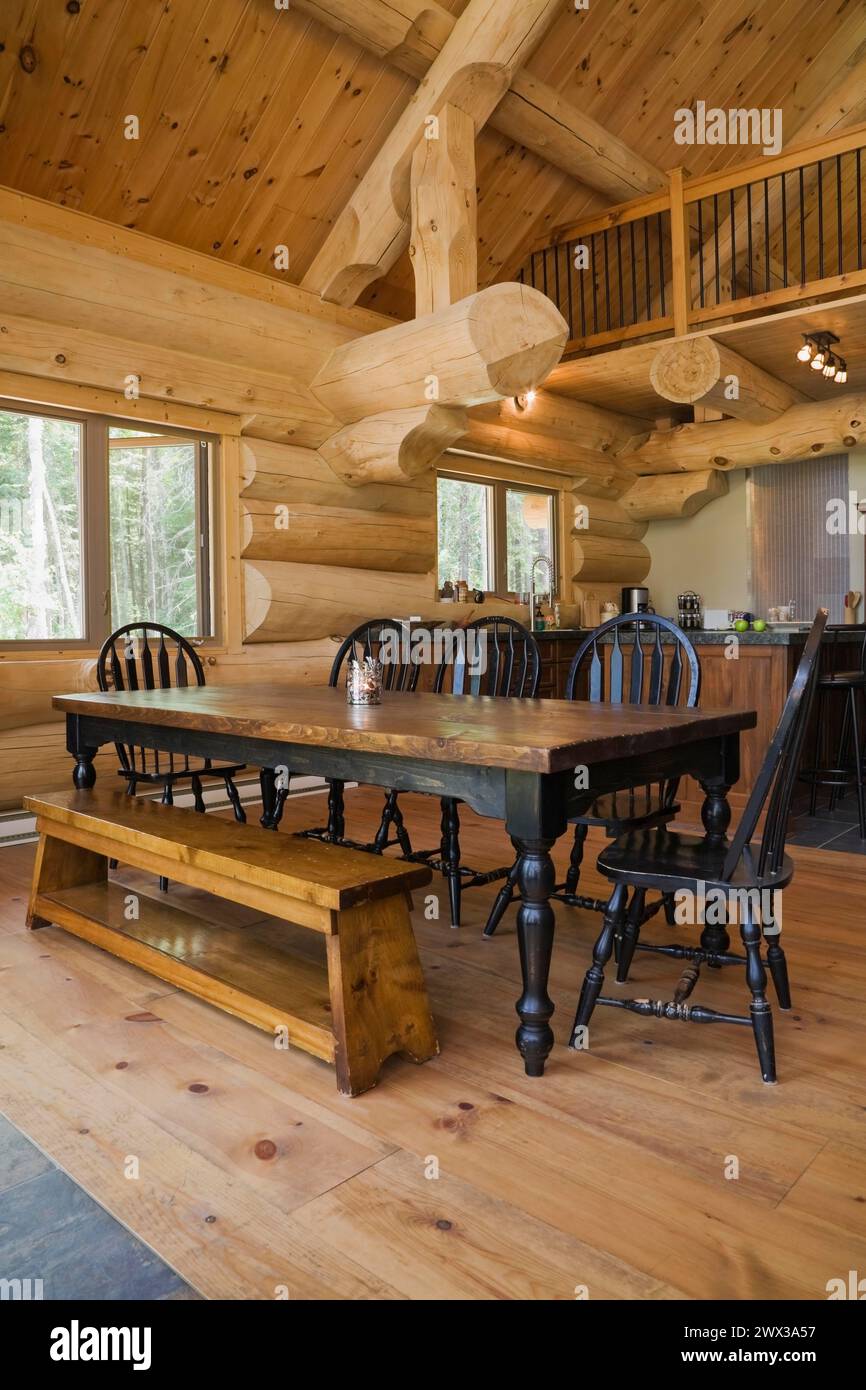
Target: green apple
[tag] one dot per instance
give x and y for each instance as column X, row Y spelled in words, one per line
column 741, row 625
column 759, row 625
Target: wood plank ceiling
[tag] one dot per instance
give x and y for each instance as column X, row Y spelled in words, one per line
column 256, row 122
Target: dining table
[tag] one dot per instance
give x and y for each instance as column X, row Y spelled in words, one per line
column 534, row 764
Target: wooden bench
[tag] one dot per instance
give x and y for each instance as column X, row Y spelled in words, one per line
column 360, row 1004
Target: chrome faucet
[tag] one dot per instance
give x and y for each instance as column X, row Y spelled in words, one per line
column 539, row 560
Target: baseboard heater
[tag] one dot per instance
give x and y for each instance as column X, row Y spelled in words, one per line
column 18, row 827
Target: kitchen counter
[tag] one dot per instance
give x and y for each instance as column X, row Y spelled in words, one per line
column 771, row 637
column 754, row 673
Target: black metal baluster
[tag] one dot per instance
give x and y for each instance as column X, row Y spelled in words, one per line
column 619, row 275
column 606, row 279
column 633, row 272
column 733, row 246
column 661, row 260
column 840, row 258
column 859, row 211
column 544, row 270
column 802, row 229
column 820, row 219
column 594, row 284
column 750, row 238
column 701, row 252
column 716, row 244
column 556, row 251
column 784, row 230
column 647, row 271
column 582, row 283
column 767, row 235
column 569, row 268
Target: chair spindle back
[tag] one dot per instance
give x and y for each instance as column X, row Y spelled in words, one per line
column 491, row 656
column 780, row 766
column 148, row 656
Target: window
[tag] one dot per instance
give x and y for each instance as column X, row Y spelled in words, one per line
column 490, row 533
column 41, row 577
column 795, row 555
column 101, row 524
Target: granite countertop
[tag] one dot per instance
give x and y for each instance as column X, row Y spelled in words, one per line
column 770, row 637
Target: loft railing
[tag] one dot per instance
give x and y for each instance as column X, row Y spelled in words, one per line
column 775, row 231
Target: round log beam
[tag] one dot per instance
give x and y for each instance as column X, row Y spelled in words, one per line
column 694, row 371
column 502, row 341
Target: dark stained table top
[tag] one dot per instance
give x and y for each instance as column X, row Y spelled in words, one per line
column 485, row 731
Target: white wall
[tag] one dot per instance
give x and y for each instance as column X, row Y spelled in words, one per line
column 710, row 552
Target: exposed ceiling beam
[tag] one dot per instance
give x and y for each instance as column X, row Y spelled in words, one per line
column 818, row 427
column 474, row 69
column 700, row 371
column 409, row 34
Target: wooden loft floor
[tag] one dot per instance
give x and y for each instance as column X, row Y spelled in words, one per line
column 609, row 1173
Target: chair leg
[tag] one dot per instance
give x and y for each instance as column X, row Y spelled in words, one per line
column 669, row 900
column 268, row 782
column 504, row 898
column 336, row 812
column 392, row 816
column 234, row 797
column 601, row 953
column 844, row 735
column 167, row 800
column 756, row 979
column 198, row 798
column 401, row 832
column 816, row 754
column 858, row 765
column 573, row 875
column 630, row 934
column 451, row 855
column 779, row 973
column 281, row 796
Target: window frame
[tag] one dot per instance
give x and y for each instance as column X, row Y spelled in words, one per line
column 95, row 527
column 497, row 529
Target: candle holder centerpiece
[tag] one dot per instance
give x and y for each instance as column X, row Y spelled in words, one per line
column 364, row 681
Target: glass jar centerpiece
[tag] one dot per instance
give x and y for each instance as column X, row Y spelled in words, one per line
column 364, row 681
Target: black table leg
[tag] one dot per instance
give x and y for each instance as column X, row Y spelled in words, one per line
column 268, row 783
column 84, row 773
column 536, row 879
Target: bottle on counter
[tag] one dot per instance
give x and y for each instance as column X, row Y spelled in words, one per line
column 557, row 614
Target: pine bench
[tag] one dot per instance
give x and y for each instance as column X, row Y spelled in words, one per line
column 365, row 1001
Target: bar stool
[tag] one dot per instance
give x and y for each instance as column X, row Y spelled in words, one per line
column 841, row 686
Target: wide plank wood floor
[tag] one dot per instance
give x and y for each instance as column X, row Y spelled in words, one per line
column 461, row 1179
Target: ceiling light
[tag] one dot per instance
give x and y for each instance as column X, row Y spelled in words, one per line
column 524, row 401
column 841, row 373
column 817, row 351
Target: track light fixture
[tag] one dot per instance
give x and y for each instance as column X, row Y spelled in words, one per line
column 818, row 353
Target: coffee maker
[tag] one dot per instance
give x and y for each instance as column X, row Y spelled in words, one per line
column 636, row 601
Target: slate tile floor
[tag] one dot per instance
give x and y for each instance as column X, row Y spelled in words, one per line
column 50, row 1229
column 828, row 829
